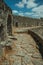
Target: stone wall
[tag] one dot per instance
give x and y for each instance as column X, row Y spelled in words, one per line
column 4, row 12
column 27, row 22
column 38, row 31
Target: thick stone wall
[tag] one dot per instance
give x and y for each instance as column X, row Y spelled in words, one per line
column 27, row 22
column 38, row 31
column 38, row 39
column 4, row 12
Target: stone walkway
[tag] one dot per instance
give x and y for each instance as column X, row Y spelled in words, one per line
column 25, row 51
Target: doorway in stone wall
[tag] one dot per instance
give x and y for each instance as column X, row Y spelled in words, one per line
column 2, row 32
column 16, row 24
column 9, row 24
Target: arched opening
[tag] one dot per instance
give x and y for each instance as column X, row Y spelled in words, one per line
column 1, row 32
column 16, row 24
column 9, row 24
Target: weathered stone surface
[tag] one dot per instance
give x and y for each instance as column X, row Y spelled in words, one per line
column 24, row 51
column 26, row 48
column 37, row 55
column 37, row 62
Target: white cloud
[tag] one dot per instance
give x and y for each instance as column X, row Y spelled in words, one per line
column 38, row 10
column 18, row 12
column 14, row 11
column 21, row 13
column 28, row 13
column 24, row 1
column 32, row 14
column 20, row 4
column 29, row 4
column 35, row 15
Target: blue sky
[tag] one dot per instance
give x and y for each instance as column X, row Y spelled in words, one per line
column 28, row 8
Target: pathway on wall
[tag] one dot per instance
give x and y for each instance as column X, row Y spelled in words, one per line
column 23, row 29
column 25, row 51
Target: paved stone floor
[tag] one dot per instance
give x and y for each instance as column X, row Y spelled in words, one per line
column 25, row 51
